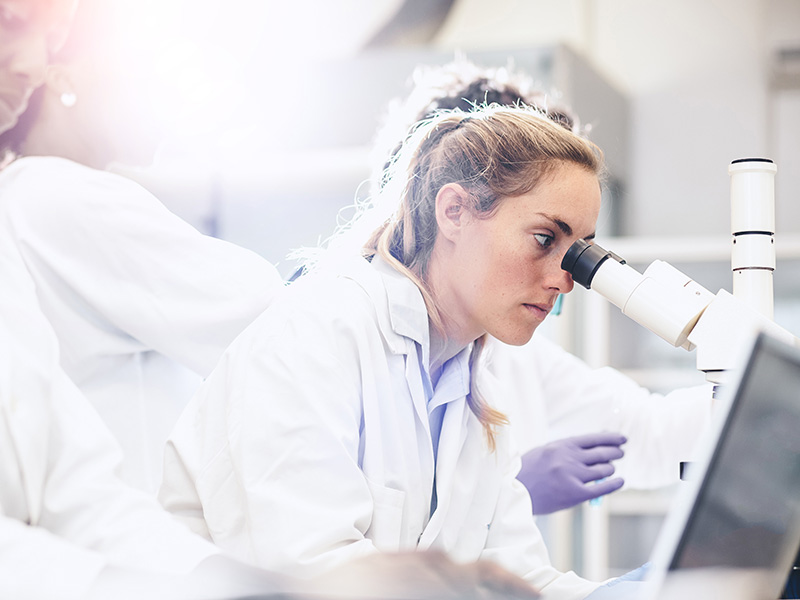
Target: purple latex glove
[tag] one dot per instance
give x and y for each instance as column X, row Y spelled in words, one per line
column 565, row 472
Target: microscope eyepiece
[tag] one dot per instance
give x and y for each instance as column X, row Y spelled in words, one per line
column 583, row 259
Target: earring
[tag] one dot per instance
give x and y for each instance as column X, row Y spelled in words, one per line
column 68, row 99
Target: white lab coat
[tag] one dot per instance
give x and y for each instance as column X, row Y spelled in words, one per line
column 310, row 443
column 64, row 514
column 548, row 394
column 142, row 304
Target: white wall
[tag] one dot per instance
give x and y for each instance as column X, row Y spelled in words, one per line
column 697, row 75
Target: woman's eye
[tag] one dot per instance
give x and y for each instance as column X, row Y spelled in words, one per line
column 544, row 240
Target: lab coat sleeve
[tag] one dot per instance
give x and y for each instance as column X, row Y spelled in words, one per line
column 36, row 564
column 662, row 430
column 86, row 503
column 112, row 251
column 64, row 514
column 276, row 429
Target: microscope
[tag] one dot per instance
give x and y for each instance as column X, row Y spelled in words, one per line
column 678, row 309
column 687, row 315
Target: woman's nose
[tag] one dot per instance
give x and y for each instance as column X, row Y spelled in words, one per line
column 559, row 279
column 568, row 282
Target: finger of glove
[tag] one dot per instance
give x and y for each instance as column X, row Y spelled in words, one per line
column 595, row 490
column 600, row 438
column 595, row 472
column 548, row 501
column 601, row 454
column 606, row 487
column 592, row 490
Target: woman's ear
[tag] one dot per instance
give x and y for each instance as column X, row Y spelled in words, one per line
column 58, row 81
column 451, row 212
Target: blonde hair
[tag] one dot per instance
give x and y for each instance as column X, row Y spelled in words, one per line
column 493, row 152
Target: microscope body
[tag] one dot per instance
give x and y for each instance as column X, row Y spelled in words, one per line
column 678, row 309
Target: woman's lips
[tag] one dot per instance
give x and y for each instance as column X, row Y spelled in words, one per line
column 540, row 310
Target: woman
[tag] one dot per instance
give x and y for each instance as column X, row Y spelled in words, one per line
column 345, row 420
column 69, row 528
column 569, row 419
column 142, row 304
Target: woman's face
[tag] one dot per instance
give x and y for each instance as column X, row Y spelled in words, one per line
column 505, row 271
column 30, row 30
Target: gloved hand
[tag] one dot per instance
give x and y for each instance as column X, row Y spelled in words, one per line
column 565, row 472
column 630, row 586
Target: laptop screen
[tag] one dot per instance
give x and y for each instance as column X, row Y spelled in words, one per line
column 747, row 511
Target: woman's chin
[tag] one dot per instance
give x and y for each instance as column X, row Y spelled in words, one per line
column 519, row 337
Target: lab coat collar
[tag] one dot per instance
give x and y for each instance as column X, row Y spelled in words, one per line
column 454, row 382
column 405, row 315
column 407, row 311
column 408, row 317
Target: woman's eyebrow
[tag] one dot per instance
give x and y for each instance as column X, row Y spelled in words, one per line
column 563, row 226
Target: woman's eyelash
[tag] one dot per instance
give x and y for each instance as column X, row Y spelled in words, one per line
column 543, row 239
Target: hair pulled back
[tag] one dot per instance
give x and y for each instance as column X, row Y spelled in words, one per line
column 493, row 152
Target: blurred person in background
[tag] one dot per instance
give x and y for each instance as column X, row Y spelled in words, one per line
column 142, row 304
column 30, row 32
column 69, row 527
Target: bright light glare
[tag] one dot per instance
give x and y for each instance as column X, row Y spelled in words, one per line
column 193, row 81
column 222, row 64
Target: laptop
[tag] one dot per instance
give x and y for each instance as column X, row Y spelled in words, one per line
column 734, row 530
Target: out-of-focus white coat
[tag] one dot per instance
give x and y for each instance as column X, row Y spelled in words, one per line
column 548, row 394
column 142, row 304
column 310, row 443
column 64, row 514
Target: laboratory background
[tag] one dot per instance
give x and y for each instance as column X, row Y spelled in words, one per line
column 279, row 103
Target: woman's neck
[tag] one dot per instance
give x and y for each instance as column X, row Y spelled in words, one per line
column 57, row 131
column 455, row 334
column 70, row 148
column 442, row 349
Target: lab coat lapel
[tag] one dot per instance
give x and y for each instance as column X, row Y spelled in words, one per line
column 400, row 310
column 454, row 434
column 455, row 465
column 408, row 319
column 403, row 321
column 416, row 387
